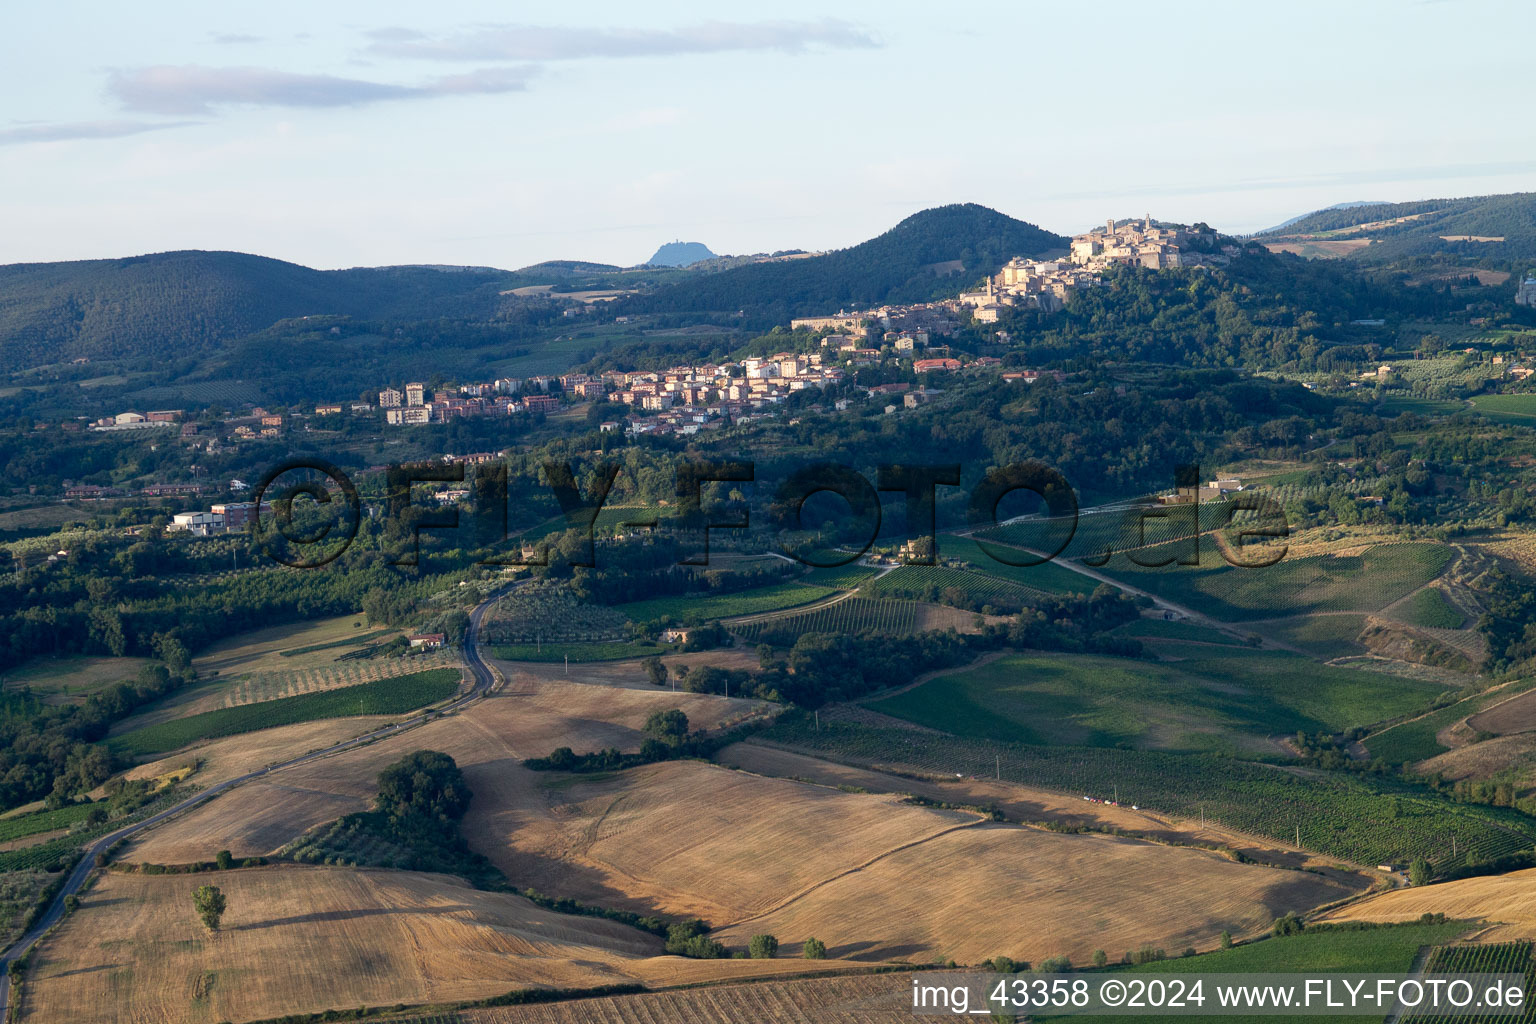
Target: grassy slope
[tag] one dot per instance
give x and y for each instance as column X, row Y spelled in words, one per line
column 1349, row 583
column 1376, row 950
column 1221, row 699
column 693, row 609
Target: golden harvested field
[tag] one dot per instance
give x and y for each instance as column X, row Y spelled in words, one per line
column 1031, row 894
column 693, row 839
column 235, row 755
column 853, row 999
column 1023, row 803
column 489, row 740
column 1508, row 902
column 249, row 821
column 1484, row 759
column 1515, row 546
column 305, row 939
column 1311, row 247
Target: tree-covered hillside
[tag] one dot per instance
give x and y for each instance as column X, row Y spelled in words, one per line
column 1433, row 226
column 1264, row 310
column 170, row 304
column 912, row 262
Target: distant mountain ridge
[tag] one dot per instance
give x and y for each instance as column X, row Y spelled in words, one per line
column 912, row 262
column 1500, row 227
column 170, row 304
column 1327, row 209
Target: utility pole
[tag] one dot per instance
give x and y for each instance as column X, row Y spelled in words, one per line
column 818, row 720
column 1298, row 837
column 567, row 664
column 999, row 758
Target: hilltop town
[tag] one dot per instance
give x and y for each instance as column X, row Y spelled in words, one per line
column 687, row 398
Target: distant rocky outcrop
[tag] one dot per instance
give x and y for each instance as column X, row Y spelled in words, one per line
column 680, row 254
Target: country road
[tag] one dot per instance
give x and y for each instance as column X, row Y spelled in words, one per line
column 484, row 681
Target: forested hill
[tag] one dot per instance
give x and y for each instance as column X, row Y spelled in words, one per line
column 1495, row 227
column 170, row 304
column 930, row 254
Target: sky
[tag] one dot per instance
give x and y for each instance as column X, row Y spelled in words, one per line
column 343, row 134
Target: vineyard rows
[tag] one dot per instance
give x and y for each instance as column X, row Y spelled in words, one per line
column 853, row 616
column 1336, row 815
column 928, row 582
column 254, row 689
column 1494, row 958
column 842, row 577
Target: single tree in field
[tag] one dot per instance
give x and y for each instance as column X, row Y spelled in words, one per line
column 655, row 671
column 1418, row 872
column 224, row 860
column 1226, row 940
column 670, row 727
column 814, row 949
column 210, row 903
column 763, row 947
column 1100, row 958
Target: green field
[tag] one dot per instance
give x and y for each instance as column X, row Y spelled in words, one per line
column 47, row 856
column 392, row 696
column 843, row 577
column 1396, row 405
column 1415, row 740
column 1162, row 629
column 929, row 582
column 692, row 609
column 1047, row 577
column 1322, row 636
column 1364, row 819
column 1511, row 410
column 1218, row 699
column 1294, row 586
column 1388, row 949
column 43, row 821
column 1429, row 607
column 615, row 651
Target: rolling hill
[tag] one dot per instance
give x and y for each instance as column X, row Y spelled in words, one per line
column 1499, row 228
column 171, row 304
column 929, row 254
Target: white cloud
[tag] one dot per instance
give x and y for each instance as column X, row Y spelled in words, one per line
column 543, row 43
column 195, row 89
column 69, row 130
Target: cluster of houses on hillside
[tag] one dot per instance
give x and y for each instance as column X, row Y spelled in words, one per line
column 1047, row 284
column 507, row 396
column 1036, row 284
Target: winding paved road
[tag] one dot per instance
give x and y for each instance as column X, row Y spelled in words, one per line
column 484, row 681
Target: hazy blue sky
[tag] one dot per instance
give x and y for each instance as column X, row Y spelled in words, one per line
column 341, row 133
